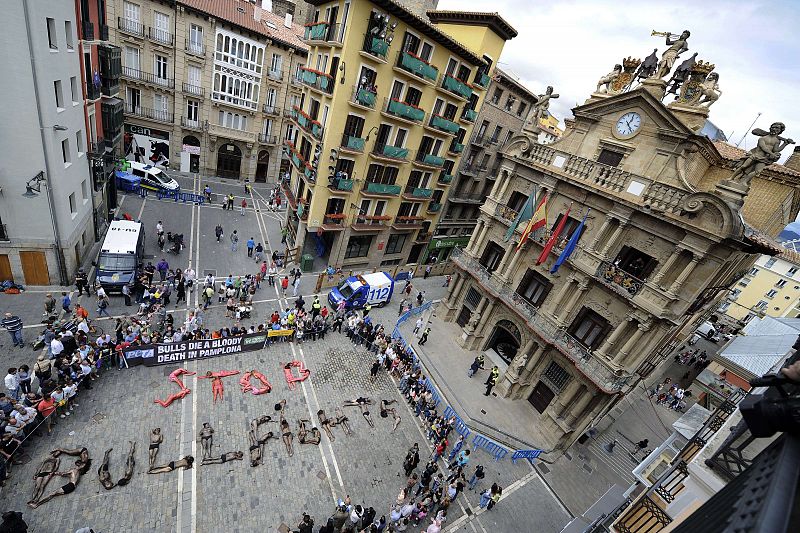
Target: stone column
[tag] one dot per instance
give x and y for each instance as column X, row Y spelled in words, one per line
column 573, row 301
column 631, row 343
column 684, row 275
column 473, row 243
column 494, row 194
column 613, row 240
column 612, row 339
column 512, row 376
column 568, row 408
column 503, row 186
column 452, row 292
column 578, row 410
column 562, row 295
column 667, row 265
column 507, row 256
column 600, row 234
column 568, row 395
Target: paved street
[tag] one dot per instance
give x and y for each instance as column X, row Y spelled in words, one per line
column 235, row 496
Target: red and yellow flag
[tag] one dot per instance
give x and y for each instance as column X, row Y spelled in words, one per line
column 538, row 220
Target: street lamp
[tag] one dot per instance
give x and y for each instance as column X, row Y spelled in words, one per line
column 33, row 187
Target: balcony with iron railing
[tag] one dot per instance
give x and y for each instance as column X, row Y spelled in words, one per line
column 505, row 214
column 422, row 236
column 160, row 36
column 139, row 75
column 267, row 139
column 434, row 207
column 370, row 222
column 429, row 160
column 97, row 147
column 192, row 124
column 416, row 66
column 194, row 90
column 456, row 147
column 270, row 110
column 275, row 74
column 195, row 48
column 407, row 222
column 375, row 47
column 87, row 30
column 456, row 87
column 480, row 139
column 403, row 110
column 158, row 115
column 607, row 378
column 308, row 124
column 445, row 178
column 387, row 151
column 463, row 197
column 93, row 92
column 131, row 27
column 417, row 193
column 443, row 124
column 351, row 143
column 469, row 115
column 103, row 32
column 231, row 133
column 364, row 97
column 317, row 80
column 334, row 221
column 338, row 184
column 380, row 189
column 481, row 80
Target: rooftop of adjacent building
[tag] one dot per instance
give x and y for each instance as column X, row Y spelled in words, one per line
column 764, row 343
column 505, row 77
column 251, row 17
column 790, row 168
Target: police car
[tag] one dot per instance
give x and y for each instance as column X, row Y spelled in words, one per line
column 153, row 178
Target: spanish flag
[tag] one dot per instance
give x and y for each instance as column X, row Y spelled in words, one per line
column 538, row 220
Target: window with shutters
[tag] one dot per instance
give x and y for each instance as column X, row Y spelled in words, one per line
column 473, row 298
column 556, row 377
column 534, row 288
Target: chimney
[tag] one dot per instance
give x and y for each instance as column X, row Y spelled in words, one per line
column 794, row 160
column 266, row 5
column 288, row 20
column 257, row 13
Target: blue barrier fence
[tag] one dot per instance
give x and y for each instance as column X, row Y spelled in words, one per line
column 479, row 441
column 170, row 195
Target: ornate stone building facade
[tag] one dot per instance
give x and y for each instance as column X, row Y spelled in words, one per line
column 660, row 241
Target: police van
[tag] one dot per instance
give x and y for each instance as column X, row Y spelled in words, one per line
column 121, row 255
column 153, row 178
column 358, row 291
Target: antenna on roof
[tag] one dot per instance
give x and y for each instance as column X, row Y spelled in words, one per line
column 748, row 129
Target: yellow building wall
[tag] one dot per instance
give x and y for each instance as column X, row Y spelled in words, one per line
column 481, row 40
column 781, row 304
column 353, row 58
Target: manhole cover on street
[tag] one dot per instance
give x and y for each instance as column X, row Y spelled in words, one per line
column 321, row 475
column 99, row 417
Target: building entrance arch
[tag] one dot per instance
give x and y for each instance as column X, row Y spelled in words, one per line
column 505, row 340
column 229, row 161
column 262, row 167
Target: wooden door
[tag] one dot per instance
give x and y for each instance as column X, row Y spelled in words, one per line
column 541, row 397
column 5, row 268
column 34, row 268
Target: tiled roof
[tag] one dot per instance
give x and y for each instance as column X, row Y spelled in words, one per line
column 732, row 153
column 242, row 14
column 765, row 244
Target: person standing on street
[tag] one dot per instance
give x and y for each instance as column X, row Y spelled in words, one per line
column 162, row 267
column 66, row 301
column 284, row 233
column 424, row 338
column 476, row 365
column 102, row 306
column 447, row 280
column 491, row 381
column 13, row 325
column 82, row 282
column 285, row 284
column 295, row 286
column 273, row 271
column 251, row 244
column 230, row 202
column 12, row 383
column 218, row 232
column 244, row 206
column 476, row 478
column 418, row 325
column 126, row 292
column 49, row 304
column 427, row 272
column 259, row 253
column 234, row 241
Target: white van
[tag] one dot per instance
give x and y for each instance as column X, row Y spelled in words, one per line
column 153, row 178
column 708, row 331
column 121, row 255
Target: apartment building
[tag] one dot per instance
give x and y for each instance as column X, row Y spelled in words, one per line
column 499, row 120
column 45, row 205
column 206, row 83
column 770, row 288
column 101, row 67
column 643, row 252
column 389, row 101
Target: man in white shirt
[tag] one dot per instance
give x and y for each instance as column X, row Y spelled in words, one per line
column 56, row 347
column 190, row 276
column 418, row 325
column 83, row 326
column 12, row 383
column 101, row 292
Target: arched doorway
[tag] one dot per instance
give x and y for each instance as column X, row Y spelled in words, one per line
column 229, row 161
column 505, row 340
column 191, row 146
column 262, row 166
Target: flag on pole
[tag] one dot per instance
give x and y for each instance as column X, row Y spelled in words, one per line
column 571, row 245
column 554, row 237
column 524, row 214
column 538, row 220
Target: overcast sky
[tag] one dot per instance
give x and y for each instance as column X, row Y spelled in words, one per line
column 572, row 43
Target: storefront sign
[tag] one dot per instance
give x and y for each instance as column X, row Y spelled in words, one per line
column 146, row 145
column 448, row 243
column 181, row 352
column 189, row 149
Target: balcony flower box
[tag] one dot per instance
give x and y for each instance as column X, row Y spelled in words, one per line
column 418, row 66
column 444, row 124
column 335, row 216
column 433, row 160
column 376, row 217
column 402, row 109
column 457, row 87
column 379, row 47
column 365, row 97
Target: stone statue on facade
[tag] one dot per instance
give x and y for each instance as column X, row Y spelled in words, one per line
column 767, row 151
column 710, row 90
column 540, row 110
column 474, row 320
column 604, row 84
column 677, row 44
column 697, row 85
column 648, row 66
column 681, row 74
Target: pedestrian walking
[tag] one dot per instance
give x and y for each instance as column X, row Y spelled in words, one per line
column 13, row 325
column 447, row 280
column 427, row 272
column 66, row 301
column 82, row 282
column 491, row 381
column 218, row 232
column 420, row 298
column 126, row 292
column 278, row 202
column 285, row 284
column 251, row 245
column 180, row 292
column 102, row 306
column 495, row 497
column 234, row 241
column 424, row 338
column 159, row 228
column 259, row 253
column 244, row 206
column 284, row 233
column 273, row 271
column 295, row 286
column 476, row 478
column 49, row 305
column 162, row 267
column 418, row 325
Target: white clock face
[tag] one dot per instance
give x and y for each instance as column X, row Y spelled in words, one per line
column 628, row 124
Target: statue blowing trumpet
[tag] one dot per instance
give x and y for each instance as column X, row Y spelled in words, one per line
column 666, row 34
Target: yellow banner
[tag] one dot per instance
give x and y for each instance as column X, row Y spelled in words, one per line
column 280, row 332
